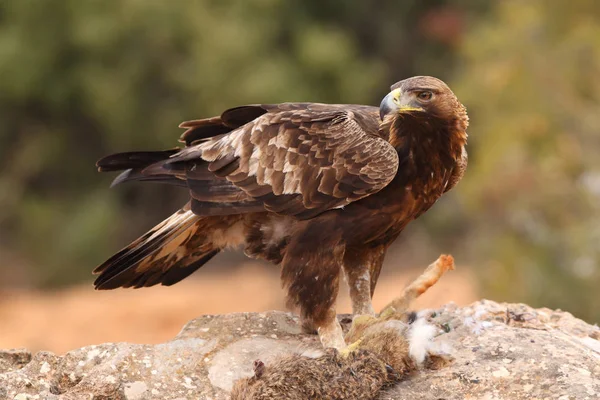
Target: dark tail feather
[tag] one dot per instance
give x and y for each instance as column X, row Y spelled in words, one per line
column 138, row 175
column 166, row 254
column 151, row 166
column 133, row 159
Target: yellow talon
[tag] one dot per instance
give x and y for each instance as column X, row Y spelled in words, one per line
column 344, row 353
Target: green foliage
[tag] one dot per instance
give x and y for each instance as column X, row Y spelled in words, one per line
column 532, row 192
column 81, row 79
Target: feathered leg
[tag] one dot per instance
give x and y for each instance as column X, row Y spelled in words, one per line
column 310, row 272
column 361, row 268
column 330, row 332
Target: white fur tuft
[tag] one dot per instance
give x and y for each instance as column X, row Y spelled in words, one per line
column 420, row 339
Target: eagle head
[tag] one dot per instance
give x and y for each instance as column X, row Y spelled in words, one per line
column 423, row 96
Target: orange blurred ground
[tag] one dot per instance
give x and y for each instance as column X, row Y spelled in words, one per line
column 67, row 319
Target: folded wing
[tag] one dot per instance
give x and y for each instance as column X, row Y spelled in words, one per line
column 297, row 159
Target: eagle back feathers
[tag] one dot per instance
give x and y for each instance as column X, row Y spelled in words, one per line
column 297, row 159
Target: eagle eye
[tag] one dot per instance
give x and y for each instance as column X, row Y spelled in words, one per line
column 425, row 95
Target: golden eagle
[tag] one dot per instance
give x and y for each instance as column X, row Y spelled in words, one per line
column 315, row 188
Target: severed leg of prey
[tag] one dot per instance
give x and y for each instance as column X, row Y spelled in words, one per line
column 419, row 286
column 398, row 308
column 330, row 331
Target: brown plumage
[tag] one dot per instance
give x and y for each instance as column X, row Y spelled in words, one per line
column 315, row 188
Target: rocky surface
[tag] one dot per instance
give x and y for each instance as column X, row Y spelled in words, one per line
column 501, row 351
column 511, row 352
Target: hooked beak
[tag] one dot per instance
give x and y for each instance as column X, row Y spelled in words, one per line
column 387, row 105
column 395, row 102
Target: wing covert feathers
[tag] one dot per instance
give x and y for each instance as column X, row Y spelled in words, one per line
column 297, row 159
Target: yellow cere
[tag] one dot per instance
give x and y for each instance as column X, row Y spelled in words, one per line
column 396, row 95
column 409, row 108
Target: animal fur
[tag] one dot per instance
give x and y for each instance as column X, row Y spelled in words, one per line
column 385, row 350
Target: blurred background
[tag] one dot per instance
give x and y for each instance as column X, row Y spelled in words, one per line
column 82, row 79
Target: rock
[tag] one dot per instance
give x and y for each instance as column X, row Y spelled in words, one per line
column 501, row 351
column 14, row 359
column 511, row 351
